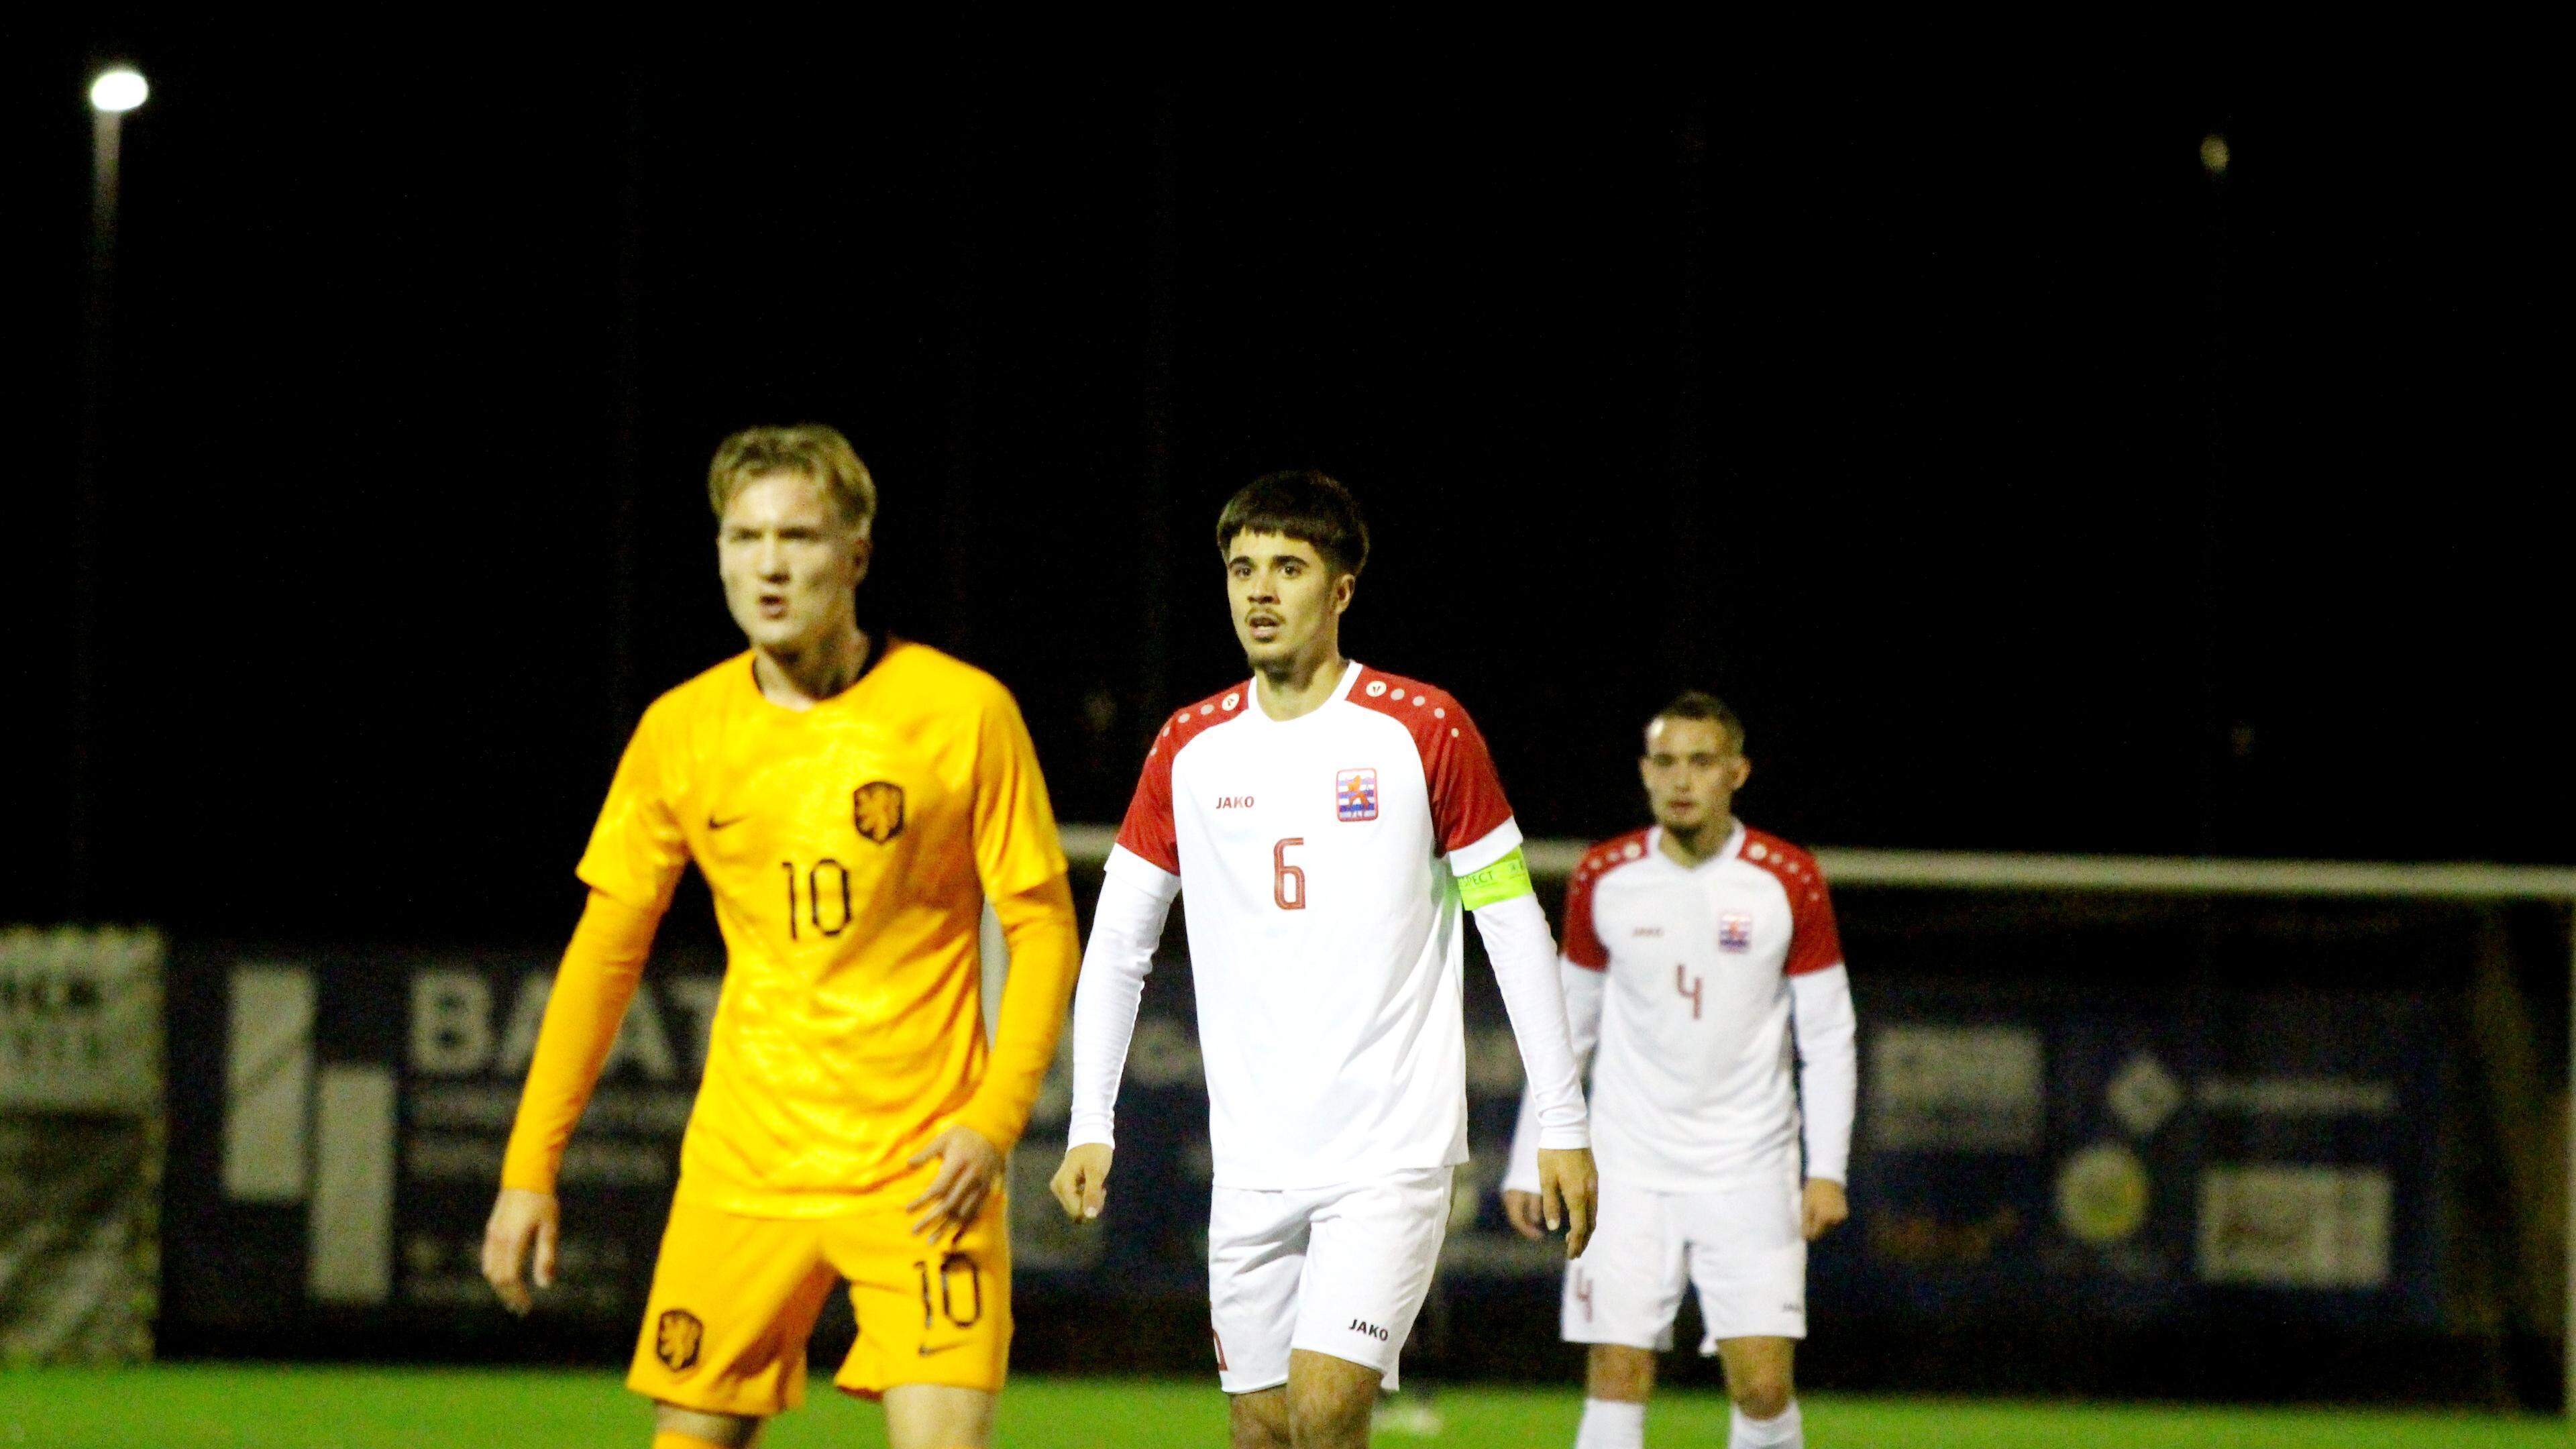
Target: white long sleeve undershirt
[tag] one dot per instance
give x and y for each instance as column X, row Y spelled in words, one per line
column 1583, row 989
column 1126, row 925
column 1820, row 1006
column 1523, row 953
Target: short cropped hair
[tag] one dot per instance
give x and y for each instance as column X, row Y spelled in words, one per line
column 1305, row 505
column 1700, row 704
column 809, row 449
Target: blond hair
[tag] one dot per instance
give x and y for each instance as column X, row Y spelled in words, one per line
column 808, row 449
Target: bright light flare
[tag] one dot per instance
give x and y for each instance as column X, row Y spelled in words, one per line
column 121, row 89
column 2213, row 154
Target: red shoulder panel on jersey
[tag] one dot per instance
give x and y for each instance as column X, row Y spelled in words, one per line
column 1467, row 801
column 1583, row 944
column 1147, row 832
column 1815, row 943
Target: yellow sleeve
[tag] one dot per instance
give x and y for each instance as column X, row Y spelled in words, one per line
column 1015, row 841
column 636, row 851
column 1046, row 952
column 597, row 979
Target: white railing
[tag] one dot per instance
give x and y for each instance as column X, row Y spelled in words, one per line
column 2157, row 875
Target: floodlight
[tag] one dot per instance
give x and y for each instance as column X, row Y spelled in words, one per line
column 121, row 89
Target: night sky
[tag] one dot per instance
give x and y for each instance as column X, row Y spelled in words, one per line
column 2025, row 486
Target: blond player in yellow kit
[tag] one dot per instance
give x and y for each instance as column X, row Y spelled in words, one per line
column 852, row 801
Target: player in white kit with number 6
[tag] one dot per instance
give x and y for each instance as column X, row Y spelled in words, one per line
column 1696, row 953
column 1328, row 823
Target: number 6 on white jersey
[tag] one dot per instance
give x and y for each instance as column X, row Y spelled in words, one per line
column 1287, row 882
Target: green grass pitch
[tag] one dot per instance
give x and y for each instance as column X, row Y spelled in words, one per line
column 210, row 1406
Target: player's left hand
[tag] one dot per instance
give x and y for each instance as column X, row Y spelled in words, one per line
column 1826, row 1207
column 969, row 1169
column 1569, row 1194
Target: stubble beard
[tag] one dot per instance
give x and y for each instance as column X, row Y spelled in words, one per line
column 1283, row 665
column 1704, row 834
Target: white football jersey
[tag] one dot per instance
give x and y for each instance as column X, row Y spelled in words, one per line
column 1691, row 1085
column 1317, row 860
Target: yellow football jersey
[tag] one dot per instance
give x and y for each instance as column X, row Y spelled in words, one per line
column 849, row 848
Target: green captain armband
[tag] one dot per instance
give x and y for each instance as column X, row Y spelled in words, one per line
column 1504, row 879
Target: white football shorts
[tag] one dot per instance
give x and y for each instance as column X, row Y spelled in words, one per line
column 1339, row 1270
column 1743, row 1248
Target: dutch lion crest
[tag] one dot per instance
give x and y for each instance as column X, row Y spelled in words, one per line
column 877, row 809
column 676, row 1336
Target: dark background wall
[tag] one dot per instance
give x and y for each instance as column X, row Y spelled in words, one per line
column 2026, row 486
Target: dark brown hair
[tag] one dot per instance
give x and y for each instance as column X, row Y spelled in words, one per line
column 1700, row 704
column 1302, row 504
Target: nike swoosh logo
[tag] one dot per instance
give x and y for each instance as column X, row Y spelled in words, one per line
column 714, row 824
column 926, row 1350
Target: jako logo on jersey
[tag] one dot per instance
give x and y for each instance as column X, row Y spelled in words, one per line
column 1234, row 802
column 1355, row 794
column 1734, row 932
column 1371, row 1329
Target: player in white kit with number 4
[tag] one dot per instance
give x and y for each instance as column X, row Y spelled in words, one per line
column 1696, row 953
column 1327, row 822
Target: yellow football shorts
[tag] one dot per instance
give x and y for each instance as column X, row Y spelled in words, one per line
column 734, row 1299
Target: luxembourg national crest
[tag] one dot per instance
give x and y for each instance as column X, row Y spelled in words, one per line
column 876, row 808
column 1355, row 795
column 1734, row 931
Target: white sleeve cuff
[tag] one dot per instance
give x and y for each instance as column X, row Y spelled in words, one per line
column 1492, row 846
column 1146, row 876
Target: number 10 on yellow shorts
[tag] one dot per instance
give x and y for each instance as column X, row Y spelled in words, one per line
column 734, row 1299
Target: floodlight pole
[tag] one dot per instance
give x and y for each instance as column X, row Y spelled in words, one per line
column 2214, row 758
column 2567, row 1124
column 1691, row 620
column 626, row 473
column 1154, row 528
column 98, row 317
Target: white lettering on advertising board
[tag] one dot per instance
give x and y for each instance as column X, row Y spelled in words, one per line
column 2285, row 1226
column 1955, row 1088
column 80, row 1020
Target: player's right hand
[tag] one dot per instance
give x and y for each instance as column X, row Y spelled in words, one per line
column 1081, row 1185
column 521, row 1220
column 1521, row 1210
